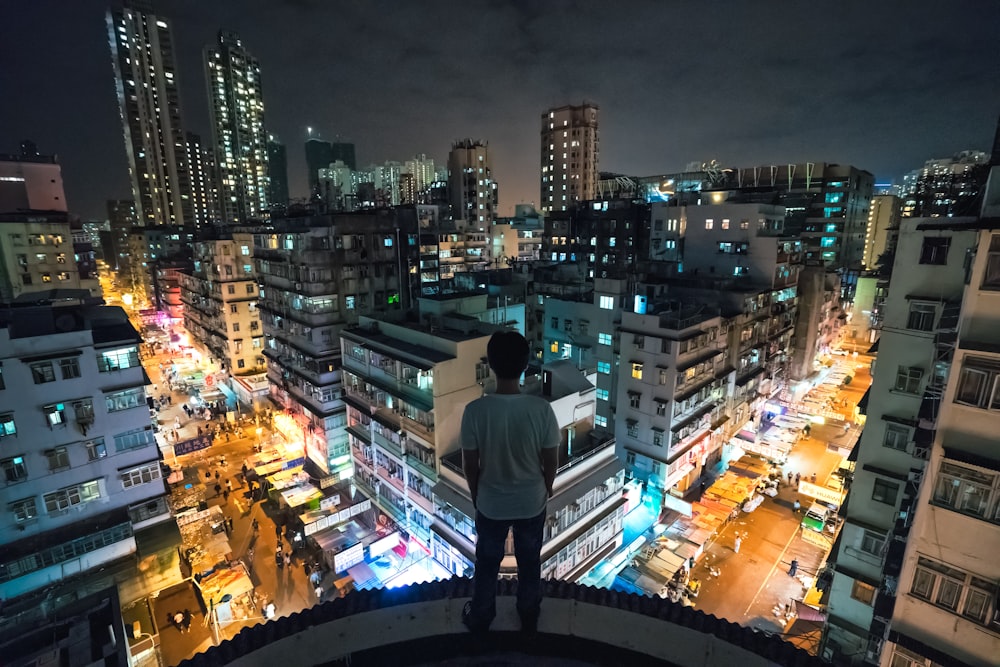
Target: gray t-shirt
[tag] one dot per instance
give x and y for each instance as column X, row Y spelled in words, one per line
column 510, row 431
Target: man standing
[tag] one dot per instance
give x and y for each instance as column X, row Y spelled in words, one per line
column 509, row 455
column 737, row 541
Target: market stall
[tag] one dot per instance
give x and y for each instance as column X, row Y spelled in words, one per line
column 204, row 543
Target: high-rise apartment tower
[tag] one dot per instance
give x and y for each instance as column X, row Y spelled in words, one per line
column 149, row 101
column 569, row 156
column 237, row 106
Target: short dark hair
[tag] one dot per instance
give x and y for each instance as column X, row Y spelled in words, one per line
column 507, row 353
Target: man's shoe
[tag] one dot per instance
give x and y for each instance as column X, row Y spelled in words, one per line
column 529, row 622
column 475, row 625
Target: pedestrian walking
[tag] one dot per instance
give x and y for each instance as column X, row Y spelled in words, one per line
column 736, row 543
column 256, row 526
column 277, row 532
column 229, row 523
column 217, row 475
column 315, row 578
column 218, row 489
column 790, row 477
column 814, row 478
column 798, row 479
column 229, row 485
column 288, row 559
column 796, row 505
column 319, row 592
column 793, row 567
column 225, row 496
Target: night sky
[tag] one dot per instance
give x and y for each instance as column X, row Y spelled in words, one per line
column 881, row 85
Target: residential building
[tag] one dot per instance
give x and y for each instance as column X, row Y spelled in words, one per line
column 946, row 187
column 121, row 219
column 337, row 187
column 204, row 182
column 448, row 248
column 38, row 254
column 579, row 321
column 406, row 388
column 883, row 221
column 277, row 176
column 142, row 53
column 951, row 609
column 518, row 238
column 152, row 252
column 826, row 204
column 421, row 168
column 30, row 181
column 569, row 156
column 220, row 303
column 81, row 468
column 237, row 104
column 917, row 349
column 610, row 236
column 317, row 275
column 470, row 183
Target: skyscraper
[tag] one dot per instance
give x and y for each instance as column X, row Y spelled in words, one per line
column 421, row 168
column 319, row 155
column 204, row 181
column 277, row 173
column 569, row 156
column 344, row 151
column 149, row 101
column 237, row 105
column 470, row 182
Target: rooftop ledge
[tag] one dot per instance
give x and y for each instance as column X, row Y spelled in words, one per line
column 421, row 625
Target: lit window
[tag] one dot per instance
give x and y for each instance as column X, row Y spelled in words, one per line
column 604, row 367
column 636, row 370
column 600, row 421
column 709, row 223
column 604, row 338
column 607, row 302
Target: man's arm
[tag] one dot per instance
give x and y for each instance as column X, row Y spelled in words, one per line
column 550, row 460
column 470, row 465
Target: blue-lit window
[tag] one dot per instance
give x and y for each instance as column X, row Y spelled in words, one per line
column 830, row 227
column 604, row 338
column 834, row 197
column 602, row 394
column 600, row 421
column 829, row 256
column 604, row 367
column 828, row 241
column 833, row 212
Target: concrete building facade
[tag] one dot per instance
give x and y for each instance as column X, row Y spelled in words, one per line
column 318, row 275
column 82, row 472
column 236, row 101
column 220, row 303
column 916, row 355
column 473, row 191
column 883, row 219
column 569, row 156
column 142, row 53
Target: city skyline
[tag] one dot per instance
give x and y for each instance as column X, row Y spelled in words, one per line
column 887, row 86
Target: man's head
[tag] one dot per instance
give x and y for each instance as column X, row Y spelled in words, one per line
column 507, row 353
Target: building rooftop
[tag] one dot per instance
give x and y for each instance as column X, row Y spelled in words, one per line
column 421, row 625
column 959, row 224
column 108, row 323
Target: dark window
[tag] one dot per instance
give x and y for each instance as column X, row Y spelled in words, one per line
column 70, row 368
column 921, row 317
column 885, row 491
column 43, row 372
column 935, row 250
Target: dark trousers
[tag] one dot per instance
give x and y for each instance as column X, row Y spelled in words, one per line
column 491, row 538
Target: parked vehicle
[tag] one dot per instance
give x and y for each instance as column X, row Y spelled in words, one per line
column 816, row 517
